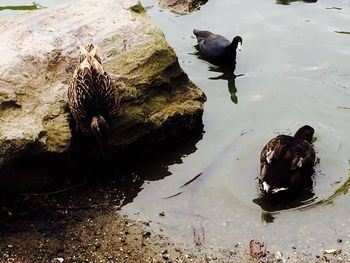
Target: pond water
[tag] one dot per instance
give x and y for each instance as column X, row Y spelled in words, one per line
column 293, row 70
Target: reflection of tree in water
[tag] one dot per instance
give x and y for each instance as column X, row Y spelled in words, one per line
column 287, row 2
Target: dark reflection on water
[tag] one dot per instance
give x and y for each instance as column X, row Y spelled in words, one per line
column 301, row 200
column 284, row 200
column 75, row 180
column 229, row 75
column 287, row 2
column 227, row 72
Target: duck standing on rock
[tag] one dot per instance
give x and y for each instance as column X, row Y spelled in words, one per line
column 93, row 98
column 217, row 49
column 286, row 162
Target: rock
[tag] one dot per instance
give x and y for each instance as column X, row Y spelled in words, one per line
column 39, row 52
column 257, row 249
column 181, row 7
column 333, row 251
column 58, row 260
column 278, row 255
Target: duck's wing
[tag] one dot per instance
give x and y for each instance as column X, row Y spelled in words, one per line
column 211, row 45
column 81, row 96
column 215, row 46
column 273, row 149
column 294, row 152
column 108, row 96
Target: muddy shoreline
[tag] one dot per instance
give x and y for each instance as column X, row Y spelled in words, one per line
column 81, row 222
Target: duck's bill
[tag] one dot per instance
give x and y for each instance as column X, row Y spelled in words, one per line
column 239, row 46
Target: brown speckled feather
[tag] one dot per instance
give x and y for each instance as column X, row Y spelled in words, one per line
column 92, row 93
column 289, row 149
column 285, row 160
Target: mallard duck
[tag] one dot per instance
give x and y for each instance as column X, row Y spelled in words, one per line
column 93, row 98
column 286, row 162
column 217, row 49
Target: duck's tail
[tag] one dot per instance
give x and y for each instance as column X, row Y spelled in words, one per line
column 101, row 130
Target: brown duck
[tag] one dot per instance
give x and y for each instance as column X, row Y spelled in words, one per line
column 93, row 98
column 286, row 162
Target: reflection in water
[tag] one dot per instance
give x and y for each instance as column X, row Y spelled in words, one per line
column 267, row 217
column 342, row 190
column 287, row 2
column 299, row 200
column 284, row 200
column 119, row 176
column 227, row 73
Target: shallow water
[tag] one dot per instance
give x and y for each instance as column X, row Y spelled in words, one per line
column 293, row 70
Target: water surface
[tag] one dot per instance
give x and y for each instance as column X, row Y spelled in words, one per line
column 293, row 71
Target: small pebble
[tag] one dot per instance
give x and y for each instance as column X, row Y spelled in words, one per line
column 161, row 214
column 339, row 240
column 278, row 255
column 146, row 235
column 10, row 246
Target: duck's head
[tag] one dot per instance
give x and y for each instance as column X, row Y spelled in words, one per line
column 237, row 43
column 276, row 177
column 305, row 133
column 90, row 58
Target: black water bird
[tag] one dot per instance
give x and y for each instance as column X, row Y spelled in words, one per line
column 93, row 97
column 286, row 162
column 287, row 2
column 217, row 49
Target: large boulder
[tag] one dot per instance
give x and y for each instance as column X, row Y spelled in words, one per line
column 181, row 7
column 39, row 51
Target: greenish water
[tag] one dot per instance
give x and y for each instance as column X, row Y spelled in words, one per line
column 293, row 70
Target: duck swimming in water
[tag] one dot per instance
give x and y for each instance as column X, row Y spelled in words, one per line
column 286, row 162
column 93, row 98
column 217, row 49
